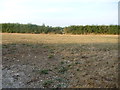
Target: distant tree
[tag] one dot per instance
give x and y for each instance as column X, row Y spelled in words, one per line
column 32, row 28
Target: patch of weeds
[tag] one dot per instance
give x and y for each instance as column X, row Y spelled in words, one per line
column 51, row 51
column 59, row 86
column 77, row 63
column 69, row 65
column 63, row 70
column 61, row 62
column 59, row 79
column 78, row 69
column 44, row 71
column 45, row 46
column 47, row 83
column 4, row 46
column 28, row 45
column 51, row 56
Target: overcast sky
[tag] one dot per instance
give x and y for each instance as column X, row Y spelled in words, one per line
column 59, row 12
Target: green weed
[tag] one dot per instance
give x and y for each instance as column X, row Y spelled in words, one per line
column 50, row 56
column 47, row 83
column 63, row 70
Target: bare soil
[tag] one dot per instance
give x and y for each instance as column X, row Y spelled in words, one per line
column 66, row 65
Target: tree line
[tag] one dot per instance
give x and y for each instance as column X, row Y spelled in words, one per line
column 93, row 29
column 79, row 29
column 29, row 28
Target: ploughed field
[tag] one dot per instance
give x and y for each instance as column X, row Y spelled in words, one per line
column 59, row 61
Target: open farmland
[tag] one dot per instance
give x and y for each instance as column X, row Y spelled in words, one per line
column 59, row 61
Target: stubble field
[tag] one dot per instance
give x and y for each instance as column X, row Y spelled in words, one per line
column 59, row 61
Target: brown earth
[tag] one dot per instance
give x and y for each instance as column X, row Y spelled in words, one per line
column 44, row 63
